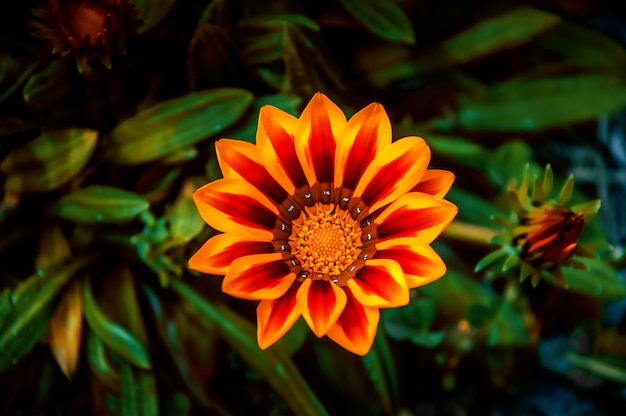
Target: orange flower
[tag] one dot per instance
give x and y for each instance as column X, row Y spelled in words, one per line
column 324, row 218
column 89, row 29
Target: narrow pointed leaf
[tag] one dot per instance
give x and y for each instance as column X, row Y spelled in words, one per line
column 505, row 31
column 48, row 161
column 113, row 335
column 32, row 303
column 178, row 123
column 273, row 364
column 385, row 19
column 100, row 363
column 99, row 204
column 530, row 104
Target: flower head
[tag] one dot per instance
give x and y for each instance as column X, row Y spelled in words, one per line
column 544, row 235
column 326, row 218
column 89, row 29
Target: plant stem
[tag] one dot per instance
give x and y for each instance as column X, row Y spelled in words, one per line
column 470, row 233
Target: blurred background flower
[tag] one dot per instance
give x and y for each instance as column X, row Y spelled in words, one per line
column 88, row 29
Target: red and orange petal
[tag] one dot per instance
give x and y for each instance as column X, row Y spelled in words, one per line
column 393, row 172
column 380, row 283
column 276, row 316
column 435, row 182
column 316, row 136
column 321, row 303
column 258, row 276
column 275, row 144
column 366, row 134
column 217, row 254
column 419, row 262
column 355, row 328
column 238, row 208
column 415, row 215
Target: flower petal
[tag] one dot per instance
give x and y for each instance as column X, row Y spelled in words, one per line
column 216, row 255
column 320, row 124
column 355, row 328
column 259, row 276
column 366, row 134
column 415, row 215
column 275, row 144
column 321, row 303
column 236, row 207
column 435, row 182
column 239, row 160
column 380, row 283
column 419, row 262
column 396, row 170
column 276, row 316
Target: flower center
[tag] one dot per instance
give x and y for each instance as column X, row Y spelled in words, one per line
column 86, row 19
column 325, row 239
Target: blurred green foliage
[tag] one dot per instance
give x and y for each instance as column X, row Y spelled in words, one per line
column 97, row 171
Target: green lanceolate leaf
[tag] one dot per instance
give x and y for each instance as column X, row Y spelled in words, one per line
column 113, row 335
column 600, row 280
column 501, row 32
column 27, row 309
column 100, row 362
column 13, row 72
column 273, row 364
column 99, row 204
column 383, row 18
column 49, row 160
column 526, row 104
column 178, row 123
column 380, row 368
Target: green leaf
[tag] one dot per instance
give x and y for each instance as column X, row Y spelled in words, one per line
column 100, row 362
column 380, row 369
column 152, row 12
column 460, row 150
column 113, row 335
column 273, row 364
column 183, row 217
column 138, row 392
column 25, row 311
column 508, row 162
column 99, row 204
column 49, row 160
column 600, row 280
column 276, row 21
column 505, row 31
column 583, row 47
column 52, row 87
column 412, row 323
column 507, row 328
column 385, row 19
column 178, row 123
column 472, row 207
column 13, row 72
column 129, row 402
column 527, row 104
